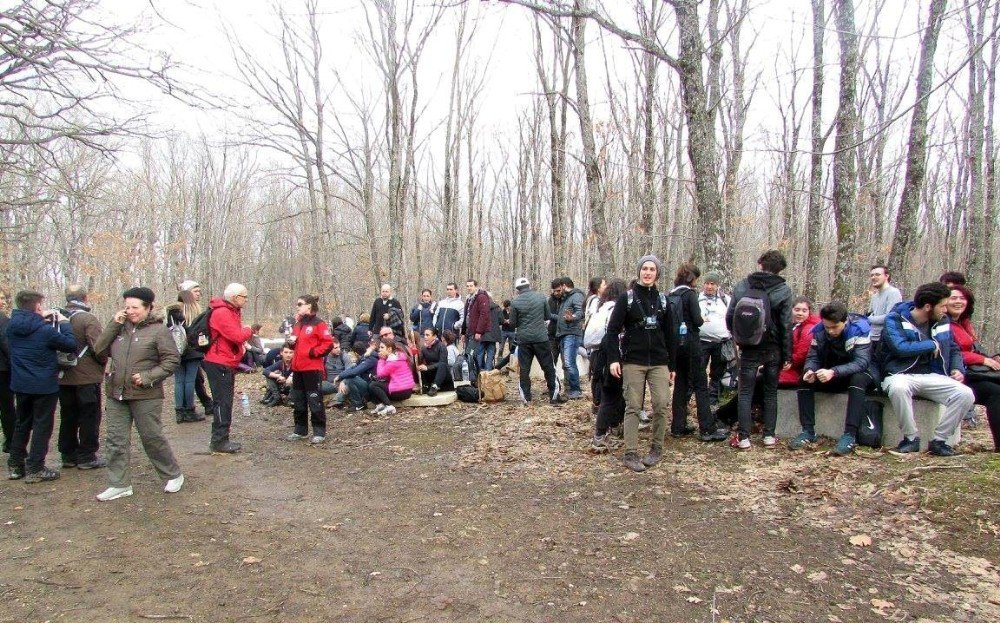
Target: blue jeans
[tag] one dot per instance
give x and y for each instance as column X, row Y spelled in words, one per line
column 486, row 354
column 357, row 391
column 568, row 345
column 184, row 377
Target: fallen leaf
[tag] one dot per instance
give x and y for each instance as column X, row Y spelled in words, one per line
column 682, row 589
column 694, row 600
column 630, row 536
column 797, row 568
column 881, row 603
column 818, row 576
column 251, row 560
column 861, row 540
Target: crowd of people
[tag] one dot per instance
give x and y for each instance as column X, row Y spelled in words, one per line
column 688, row 341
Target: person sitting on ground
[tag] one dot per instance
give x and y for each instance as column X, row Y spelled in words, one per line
column 922, row 359
column 803, row 321
column 435, row 373
column 362, row 332
column 353, row 381
column 611, row 411
column 839, row 359
column 394, row 380
column 312, row 340
column 342, row 332
column 279, row 377
column 337, row 361
column 450, row 338
column 961, row 306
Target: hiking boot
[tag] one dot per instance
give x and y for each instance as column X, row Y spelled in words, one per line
column 719, row 434
column 432, row 391
column 845, row 445
column 195, row 415
column 43, row 475
column 576, row 395
column 96, row 463
column 174, row 484
column 770, row 441
column 15, row 472
column 654, row 456
column 69, row 463
column 940, row 448
column 377, row 410
column 631, row 461
column 805, row 438
column 180, row 415
column 113, row 493
column 599, row 444
column 684, row 432
column 908, row 445
column 296, row 437
column 225, row 447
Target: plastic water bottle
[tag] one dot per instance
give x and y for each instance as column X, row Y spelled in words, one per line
column 245, row 403
column 465, row 371
column 683, row 330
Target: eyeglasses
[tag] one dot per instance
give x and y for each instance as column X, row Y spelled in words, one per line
column 300, row 304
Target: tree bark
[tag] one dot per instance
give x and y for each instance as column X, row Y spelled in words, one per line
column 844, row 160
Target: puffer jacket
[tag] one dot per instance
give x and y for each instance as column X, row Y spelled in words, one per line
column 572, row 302
column 146, row 348
column 528, row 312
column 313, row 342
column 904, row 350
column 802, row 339
column 396, row 369
column 848, row 353
column 33, row 344
column 225, row 326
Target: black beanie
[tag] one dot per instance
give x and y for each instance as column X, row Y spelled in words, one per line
column 143, row 294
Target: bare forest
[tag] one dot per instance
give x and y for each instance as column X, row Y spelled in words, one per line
column 844, row 132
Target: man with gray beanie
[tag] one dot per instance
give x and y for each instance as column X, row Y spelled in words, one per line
column 528, row 312
column 647, row 353
column 714, row 334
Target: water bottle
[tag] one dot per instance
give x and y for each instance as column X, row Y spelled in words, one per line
column 465, row 371
column 683, row 330
column 245, row 403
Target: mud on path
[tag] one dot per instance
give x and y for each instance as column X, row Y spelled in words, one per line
column 498, row 513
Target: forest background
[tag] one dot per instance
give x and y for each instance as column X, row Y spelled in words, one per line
column 330, row 146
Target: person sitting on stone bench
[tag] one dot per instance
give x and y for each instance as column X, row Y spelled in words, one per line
column 922, row 359
column 839, row 359
column 435, row 373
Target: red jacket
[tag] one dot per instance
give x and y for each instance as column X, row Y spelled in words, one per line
column 966, row 339
column 479, row 320
column 313, row 342
column 226, row 330
column 801, row 340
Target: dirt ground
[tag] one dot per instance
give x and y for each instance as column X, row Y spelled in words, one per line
column 499, row 513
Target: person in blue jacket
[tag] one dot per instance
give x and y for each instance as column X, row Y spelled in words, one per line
column 354, row 380
column 34, row 335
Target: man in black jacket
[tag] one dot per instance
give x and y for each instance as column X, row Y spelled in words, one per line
column 648, row 352
column 6, row 396
column 435, row 373
column 387, row 312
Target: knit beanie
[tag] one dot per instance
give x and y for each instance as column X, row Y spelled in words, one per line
column 654, row 260
column 712, row 277
column 188, row 285
column 143, row 294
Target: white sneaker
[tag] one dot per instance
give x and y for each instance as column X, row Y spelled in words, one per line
column 317, row 439
column 113, row 493
column 377, row 410
column 388, row 410
column 770, row 441
column 295, row 437
column 174, row 484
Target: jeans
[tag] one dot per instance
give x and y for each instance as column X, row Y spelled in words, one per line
column 306, row 401
column 855, row 385
column 568, row 345
column 184, row 378
column 506, row 340
column 35, row 419
column 357, row 391
column 79, row 422
column 635, row 377
column 485, row 355
column 526, row 353
column 222, row 380
column 944, row 390
column 750, row 360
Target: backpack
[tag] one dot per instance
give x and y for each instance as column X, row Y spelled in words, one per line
column 491, row 386
column 597, row 326
column 68, row 361
column 467, row 393
column 198, row 336
column 751, row 318
column 178, row 334
column 675, row 301
column 870, row 429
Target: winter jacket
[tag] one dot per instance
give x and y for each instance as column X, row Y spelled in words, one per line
column 780, row 296
column 478, row 319
column 381, row 307
column 362, row 333
column 647, row 346
column 363, row 368
column 277, row 366
column 146, row 348
column 965, row 339
column 343, row 333
column 396, row 369
column 713, row 312
column 226, row 330
column 313, row 341
column 175, row 315
column 802, row 338
column 496, row 321
column 4, row 344
column 434, row 356
column 89, row 368
column 33, row 345
column 690, row 309
column 450, row 315
column 905, row 350
column 554, row 303
column 336, row 364
column 572, row 301
column 847, row 354
column 422, row 315
column 528, row 312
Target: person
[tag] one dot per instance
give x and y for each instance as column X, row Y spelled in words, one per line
column 690, row 369
column 312, row 340
column 362, row 331
column 477, row 322
column 200, row 380
column 506, row 331
column 884, row 296
column 143, row 355
column 952, row 278
column 435, row 373
column 714, row 335
column 450, row 313
column 647, row 354
column 353, row 382
column 595, row 288
column 554, row 302
column 569, row 332
column 491, row 337
column 961, row 306
column 7, row 415
column 279, row 377
column 920, row 358
column 254, row 355
column 528, row 312
column 769, row 295
column 35, row 335
column 839, row 359
column 422, row 314
column 611, row 410
column 450, row 340
column 80, row 387
column 342, row 332
column 393, row 381
column 336, row 362
column 386, row 311
column 803, row 321
column 227, row 334
column 185, row 311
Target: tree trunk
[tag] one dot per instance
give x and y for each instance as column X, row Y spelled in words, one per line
column 814, row 219
column 844, row 160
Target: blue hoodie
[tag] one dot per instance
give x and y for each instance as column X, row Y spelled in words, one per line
column 33, row 345
column 907, row 351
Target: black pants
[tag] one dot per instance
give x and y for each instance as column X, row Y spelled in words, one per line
column 440, row 376
column 988, row 394
column 275, row 390
column 750, row 360
column 307, row 399
column 36, row 414
column 8, row 416
column 612, row 409
column 222, row 380
column 526, row 353
column 199, row 389
column 554, row 350
column 378, row 391
column 691, row 377
column 79, row 422
column 711, row 353
column 855, row 386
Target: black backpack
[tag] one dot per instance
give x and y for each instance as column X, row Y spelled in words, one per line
column 751, row 318
column 870, row 428
column 198, row 336
column 675, row 303
column 467, row 393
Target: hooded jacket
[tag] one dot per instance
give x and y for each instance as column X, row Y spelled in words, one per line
column 528, row 312
column 905, row 350
column 572, row 301
column 780, row 296
column 396, row 369
column 642, row 345
column 145, row 348
column 33, row 344
column 802, row 339
column 313, row 342
column 847, row 354
column 225, row 326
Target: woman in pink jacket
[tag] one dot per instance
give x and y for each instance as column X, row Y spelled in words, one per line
column 394, row 378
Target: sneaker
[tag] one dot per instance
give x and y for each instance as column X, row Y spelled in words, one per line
column 389, row 410
column 577, row 395
column 226, row 447
column 654, row 456
column 69, row 463
column 432, row 391
column 908, row 445
column 113, row 493
column 845, row 445
column 805, row 438
column 770, row 441
column 94, row 464
column 558, row 399
column 599, row 444
column 356, row 409
column 719, row 434
column 173, row 485
column 377, row 410
column 739, row 444
column 15, row 472
column 684, row 432
column 317, row 439
column 940, row 448
column 631, row 461
column 295, row 437
column 43, row 475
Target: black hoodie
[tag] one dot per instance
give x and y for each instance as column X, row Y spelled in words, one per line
column 646, row 347
column 780, row 296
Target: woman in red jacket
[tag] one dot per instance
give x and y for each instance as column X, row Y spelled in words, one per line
column 313, row 340
column 960, row 307
column 803, row 321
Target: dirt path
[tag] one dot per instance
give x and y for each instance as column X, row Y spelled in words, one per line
column 499, row 514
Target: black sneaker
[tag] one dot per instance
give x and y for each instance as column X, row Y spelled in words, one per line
column 559, row 399
column 432, row 391
column 15, row 472
column 94, row 464
column 909, row 445
column 940, row 448
column 226, row 447
column 654, row 456
column 631, row 461
column 720, row 434
column 684, row 432
column 69, row 463
column 43, row 475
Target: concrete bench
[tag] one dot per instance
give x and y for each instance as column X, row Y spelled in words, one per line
column 831, row 410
